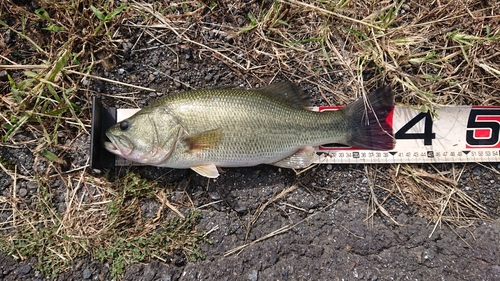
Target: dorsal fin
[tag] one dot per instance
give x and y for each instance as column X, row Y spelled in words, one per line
column 288, row 93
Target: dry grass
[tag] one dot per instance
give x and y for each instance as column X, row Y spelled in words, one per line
column 439, row 198
column 280, row 230
column 261, row 208
column 98, row 218
column 437, row 195
column 46, row 54
column 432, row 53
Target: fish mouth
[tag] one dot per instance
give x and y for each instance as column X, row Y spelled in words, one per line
column 119, row 145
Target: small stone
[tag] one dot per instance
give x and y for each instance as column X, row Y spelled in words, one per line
column 25, row 269
column 214, row 195
column 155, row 60
column 23, row 192
column 32, row 185
column 7, row 36
column 253, row 276
column 128, row 66
column 427, row 255
column 240, row 209
column 144, row 208
column 3, row 75
column 127, row 46
column 495, row 269
column 61, row 207
column 121, row 71
column 87, row 273
column 189, row 53
column 241, row 22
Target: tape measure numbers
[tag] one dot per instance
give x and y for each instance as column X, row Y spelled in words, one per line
column 455, row 134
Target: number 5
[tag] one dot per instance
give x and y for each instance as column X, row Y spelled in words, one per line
column 483, row 127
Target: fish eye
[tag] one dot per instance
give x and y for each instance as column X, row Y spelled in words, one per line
column 124, row 125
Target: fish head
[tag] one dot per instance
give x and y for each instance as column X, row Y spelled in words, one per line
column 148, row 137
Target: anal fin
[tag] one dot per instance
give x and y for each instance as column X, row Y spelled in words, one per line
column 301, row 159
column 206, row 170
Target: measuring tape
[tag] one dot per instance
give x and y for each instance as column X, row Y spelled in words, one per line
column 450, row 134
column 454, row 134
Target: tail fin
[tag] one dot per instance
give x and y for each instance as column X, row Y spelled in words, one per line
column 369, row 127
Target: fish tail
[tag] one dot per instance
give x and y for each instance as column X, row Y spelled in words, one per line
column 370, row 127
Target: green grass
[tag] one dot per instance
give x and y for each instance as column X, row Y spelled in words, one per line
column 41, row 97
column 55, row 47
column 109, row 227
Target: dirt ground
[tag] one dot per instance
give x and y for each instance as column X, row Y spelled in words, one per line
column 321, row 228
column 325, row 234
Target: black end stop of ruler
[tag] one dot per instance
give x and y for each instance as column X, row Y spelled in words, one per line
column 102, row 119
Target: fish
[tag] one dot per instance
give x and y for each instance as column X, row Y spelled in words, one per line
column 237, row 127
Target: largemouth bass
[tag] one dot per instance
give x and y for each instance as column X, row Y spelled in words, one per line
column 206, row 129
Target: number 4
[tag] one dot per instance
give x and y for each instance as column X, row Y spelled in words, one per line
column 427, row 135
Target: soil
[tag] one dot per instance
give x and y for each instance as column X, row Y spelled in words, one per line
column 331, row 238
column 330, row 234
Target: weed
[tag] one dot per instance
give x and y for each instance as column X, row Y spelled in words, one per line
column 117, row 233
column 253, row 23
column 109, row 16
column 267, row 20
column 42, row 90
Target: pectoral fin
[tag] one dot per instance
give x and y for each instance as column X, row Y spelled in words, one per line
column 206, row 170
column 301, row 159
column 204, row 140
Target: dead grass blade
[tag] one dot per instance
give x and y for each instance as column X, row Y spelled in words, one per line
column 108, row 80
column 439, row 199
column 165, row 23
column 259, row 210
column 374, row 199
column 278, row 231
column 327, row 12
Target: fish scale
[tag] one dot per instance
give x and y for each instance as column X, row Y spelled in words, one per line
column 204, row 129
column 254, row 129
